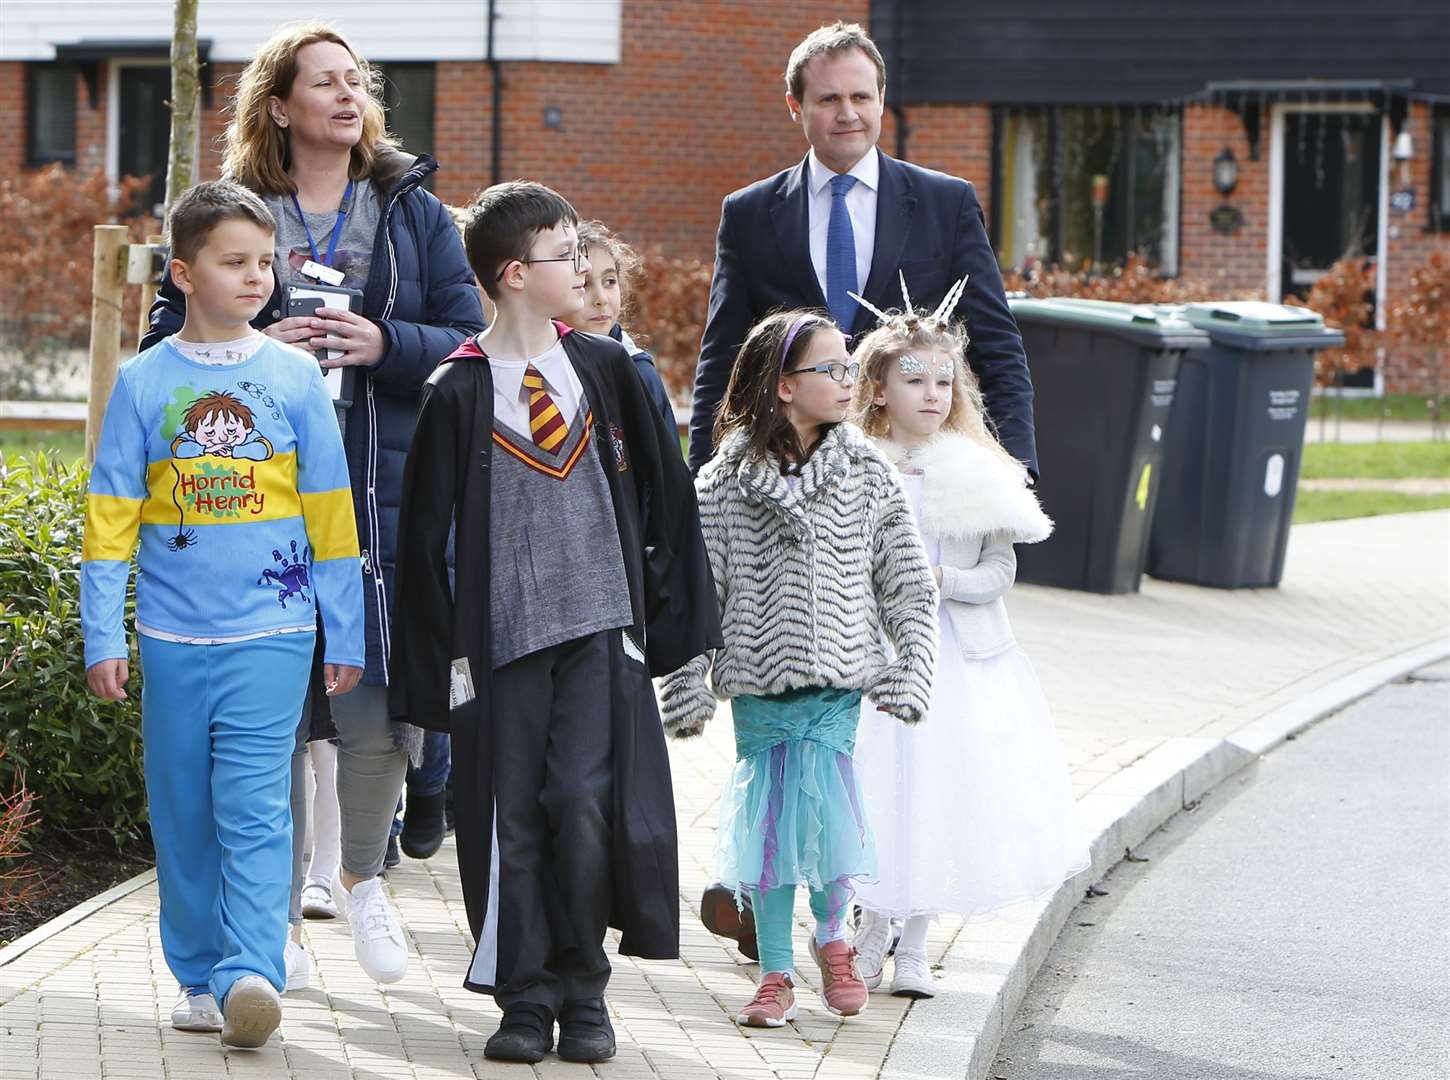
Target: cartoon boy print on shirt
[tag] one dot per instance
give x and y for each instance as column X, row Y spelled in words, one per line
column 219, row 425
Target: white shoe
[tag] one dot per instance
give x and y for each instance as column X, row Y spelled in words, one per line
column 377, row 936
column 873, row 938
column 251, row 1011
column 912, row 977
column 317, row 901
column 195, row 1010
column 299, row 966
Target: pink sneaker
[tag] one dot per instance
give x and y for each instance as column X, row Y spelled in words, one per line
column 841, row 984
column 773, row 1004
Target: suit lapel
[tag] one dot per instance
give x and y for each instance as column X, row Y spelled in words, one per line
column 895, row 205
column 790, row 216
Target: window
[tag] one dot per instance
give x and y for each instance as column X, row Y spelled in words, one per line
column 1440, row 170
column 408, row 99
column 1088, row 185
column 50, row 114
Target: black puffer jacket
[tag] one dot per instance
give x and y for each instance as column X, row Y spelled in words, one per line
column 422, row 294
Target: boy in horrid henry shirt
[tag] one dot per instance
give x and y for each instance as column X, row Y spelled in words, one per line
column 586, row 574
column 261, row 526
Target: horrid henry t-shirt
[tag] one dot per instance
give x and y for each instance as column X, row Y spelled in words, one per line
column 234, row 479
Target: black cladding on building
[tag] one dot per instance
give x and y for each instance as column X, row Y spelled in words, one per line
column 1157, row 51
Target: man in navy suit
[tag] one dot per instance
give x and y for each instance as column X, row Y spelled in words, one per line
column 848, row 218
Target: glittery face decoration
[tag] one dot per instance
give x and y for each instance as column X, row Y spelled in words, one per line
column 915, row 365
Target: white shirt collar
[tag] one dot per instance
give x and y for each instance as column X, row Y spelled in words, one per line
column 867, row 171
column 508, row 375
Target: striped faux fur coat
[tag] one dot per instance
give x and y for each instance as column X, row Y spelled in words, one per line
column 808, row 577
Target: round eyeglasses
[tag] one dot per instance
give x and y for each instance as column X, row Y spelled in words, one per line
column 837, row 371
column 577, row 257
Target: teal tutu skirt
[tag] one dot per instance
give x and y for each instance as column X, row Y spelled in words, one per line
column 793, row 813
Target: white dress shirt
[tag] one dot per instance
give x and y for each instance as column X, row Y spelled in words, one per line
column 511, row 400
column 860, row 202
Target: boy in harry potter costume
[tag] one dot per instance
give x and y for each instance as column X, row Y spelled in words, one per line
column 580, row 573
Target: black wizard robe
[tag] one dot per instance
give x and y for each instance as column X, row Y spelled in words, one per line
column 446, row 487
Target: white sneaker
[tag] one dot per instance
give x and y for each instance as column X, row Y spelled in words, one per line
column 251, row 1012
column 377, row 936
column 317, row 901
column 873, row 938
column 299, row 966
column 912, row 977
column 195, row 1010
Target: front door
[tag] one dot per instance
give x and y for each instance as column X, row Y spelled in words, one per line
column 1331, row 199
column 144, row 130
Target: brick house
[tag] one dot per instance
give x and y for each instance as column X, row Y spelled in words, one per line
column 1222, row 139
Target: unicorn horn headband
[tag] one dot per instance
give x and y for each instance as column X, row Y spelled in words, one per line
column 910, row 318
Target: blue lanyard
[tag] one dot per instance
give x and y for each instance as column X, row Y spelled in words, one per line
column 342, row 213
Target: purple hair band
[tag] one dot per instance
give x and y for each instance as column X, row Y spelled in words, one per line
column 795, row 328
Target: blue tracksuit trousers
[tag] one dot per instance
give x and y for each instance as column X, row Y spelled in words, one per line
column 218, row 725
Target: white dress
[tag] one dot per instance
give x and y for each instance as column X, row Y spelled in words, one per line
column 972, row 808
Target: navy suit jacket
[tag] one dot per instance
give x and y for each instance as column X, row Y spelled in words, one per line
column 928, row 225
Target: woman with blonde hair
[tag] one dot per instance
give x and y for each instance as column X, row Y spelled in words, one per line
column 354, row 223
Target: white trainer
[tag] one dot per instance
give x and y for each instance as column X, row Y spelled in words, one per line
column 377, row 936
column 195, row 1010
column 250, row 1013
column 912, row 977
column 317, row 901
column 298, row 963
column 873, row 938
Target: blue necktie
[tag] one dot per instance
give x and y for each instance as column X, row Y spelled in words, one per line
column 841, row 256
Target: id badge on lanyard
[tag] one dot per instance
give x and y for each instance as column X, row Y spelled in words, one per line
column 319, row 268
column 304, row 300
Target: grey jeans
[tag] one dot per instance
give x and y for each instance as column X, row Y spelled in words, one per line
column 370, row 773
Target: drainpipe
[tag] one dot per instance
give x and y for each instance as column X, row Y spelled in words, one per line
column 496, row 141
column 898, row 110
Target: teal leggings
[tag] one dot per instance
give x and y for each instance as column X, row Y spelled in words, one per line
column 775, row 912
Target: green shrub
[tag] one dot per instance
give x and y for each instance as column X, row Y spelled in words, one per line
column 79, row 756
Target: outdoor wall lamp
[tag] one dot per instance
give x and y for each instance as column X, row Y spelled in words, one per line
column 1404, row 147
column 1225, row 171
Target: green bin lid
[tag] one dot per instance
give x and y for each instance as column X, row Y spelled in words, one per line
column 1253, row 317
column 1259, row 327
column 1139, row 323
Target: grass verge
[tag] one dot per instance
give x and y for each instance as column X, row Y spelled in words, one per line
column 1390, row 407
column 70, row 443
column 1310, row 506
column 1380, row 461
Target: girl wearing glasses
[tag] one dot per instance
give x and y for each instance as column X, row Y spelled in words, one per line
column 818, row 565
column 972, row 809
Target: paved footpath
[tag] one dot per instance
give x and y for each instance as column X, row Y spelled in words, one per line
column 1172, row 667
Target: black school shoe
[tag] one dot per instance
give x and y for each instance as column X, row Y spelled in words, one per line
column 720, row 916
column 423, row 821
column 585, row 1033
column 526, row 1033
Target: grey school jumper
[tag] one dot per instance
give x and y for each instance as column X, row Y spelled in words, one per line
column 558, row 573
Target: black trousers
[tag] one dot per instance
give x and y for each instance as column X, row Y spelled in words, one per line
column 553, row 791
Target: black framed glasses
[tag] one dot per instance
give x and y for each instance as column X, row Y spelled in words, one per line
column 837, row 371
column 577, row 257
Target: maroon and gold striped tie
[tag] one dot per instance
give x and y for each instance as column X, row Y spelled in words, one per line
column 546, row 423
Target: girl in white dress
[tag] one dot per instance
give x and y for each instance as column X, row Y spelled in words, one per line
column 972, row 808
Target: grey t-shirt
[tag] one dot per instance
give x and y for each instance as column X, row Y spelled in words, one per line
column 354, row 254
